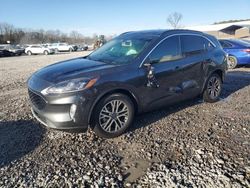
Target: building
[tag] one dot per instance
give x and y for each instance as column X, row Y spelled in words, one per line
column 227, row 30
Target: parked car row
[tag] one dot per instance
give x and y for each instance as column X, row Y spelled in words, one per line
column 7, row 50
column 47, row 49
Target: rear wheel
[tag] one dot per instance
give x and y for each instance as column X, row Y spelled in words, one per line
column 113, row 115
column 45, row 52
column 29, row 53
column 213, row 88
column 232, row 62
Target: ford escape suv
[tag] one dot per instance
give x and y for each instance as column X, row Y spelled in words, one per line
column 133, row 73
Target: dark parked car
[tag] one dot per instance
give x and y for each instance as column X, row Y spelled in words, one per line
column 16, row 50
column 238, row 52
column 133, row 73
column 75, row 47
column 11, row 50
column 5, row 53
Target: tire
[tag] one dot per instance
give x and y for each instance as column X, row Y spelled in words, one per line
column 106, row 122
column 232, row 62
column 213, row 88
column 29, row 53
column 45, row 52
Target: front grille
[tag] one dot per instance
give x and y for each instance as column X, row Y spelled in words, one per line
column 37, row 100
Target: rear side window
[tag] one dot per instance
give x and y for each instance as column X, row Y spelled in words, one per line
column 168, row 50
column 207, row 44
column 225, row 44
column 192, row 45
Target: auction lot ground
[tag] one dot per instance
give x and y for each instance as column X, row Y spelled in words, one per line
column 191, row 144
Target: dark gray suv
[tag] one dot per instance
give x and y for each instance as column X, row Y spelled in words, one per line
column 133, row 73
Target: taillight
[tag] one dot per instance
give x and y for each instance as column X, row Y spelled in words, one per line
column 246, row 50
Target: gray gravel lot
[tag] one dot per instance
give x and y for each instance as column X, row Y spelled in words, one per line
column 192, row 144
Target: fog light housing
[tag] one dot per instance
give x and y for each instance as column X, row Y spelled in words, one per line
column 72, row 111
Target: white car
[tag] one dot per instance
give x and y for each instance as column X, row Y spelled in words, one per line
column 62, row 47
column 39, row 49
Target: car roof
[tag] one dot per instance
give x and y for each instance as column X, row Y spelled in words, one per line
column 157, row 33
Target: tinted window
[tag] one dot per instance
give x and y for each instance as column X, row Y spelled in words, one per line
column 168, row 50
column 192, row 45
column 225, row 44
column 207, row 44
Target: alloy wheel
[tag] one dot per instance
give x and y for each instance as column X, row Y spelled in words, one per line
column 114, row 116
column 231, row 62
column 214, row 87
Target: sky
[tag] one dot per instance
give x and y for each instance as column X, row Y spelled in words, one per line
column 116, row 16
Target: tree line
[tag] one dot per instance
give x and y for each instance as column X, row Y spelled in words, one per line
column 10, row 34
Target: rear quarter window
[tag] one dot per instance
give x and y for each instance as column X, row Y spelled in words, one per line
column 192, row 45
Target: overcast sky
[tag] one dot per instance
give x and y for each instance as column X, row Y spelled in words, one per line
column 116, row 16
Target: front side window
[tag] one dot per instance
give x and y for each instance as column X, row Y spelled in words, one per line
column 168, row 50
column 119, row 50
column 192, row 45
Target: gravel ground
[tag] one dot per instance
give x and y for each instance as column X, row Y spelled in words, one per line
column 193, row 144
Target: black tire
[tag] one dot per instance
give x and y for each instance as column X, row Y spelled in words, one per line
column 102, row 120
column 232, row 62
column 29, row 53
column 212, row 89
column 46, row 52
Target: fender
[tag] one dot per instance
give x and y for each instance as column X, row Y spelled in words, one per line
column 119, row 88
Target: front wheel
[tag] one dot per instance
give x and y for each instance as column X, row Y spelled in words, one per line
column 45, row 52
column 232, row 62
column 213, row 88
column 113, row 115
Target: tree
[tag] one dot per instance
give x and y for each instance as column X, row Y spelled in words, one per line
column 76, row 37
column 174, row 20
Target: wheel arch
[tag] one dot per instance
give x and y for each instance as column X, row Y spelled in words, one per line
column 126, row 92
column 220, row 72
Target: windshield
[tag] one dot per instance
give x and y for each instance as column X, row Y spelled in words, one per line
column 119, row 51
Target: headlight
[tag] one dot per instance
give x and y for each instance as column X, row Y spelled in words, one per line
column 70, row 86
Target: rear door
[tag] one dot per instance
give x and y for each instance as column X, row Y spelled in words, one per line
column 193, row 48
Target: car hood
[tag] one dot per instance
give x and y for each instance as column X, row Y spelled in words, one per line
column 70, row 69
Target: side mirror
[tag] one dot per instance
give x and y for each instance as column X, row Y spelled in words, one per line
column 152, row 82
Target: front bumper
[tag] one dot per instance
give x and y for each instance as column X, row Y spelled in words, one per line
column 54, row 111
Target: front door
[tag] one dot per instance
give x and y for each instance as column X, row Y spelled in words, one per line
column 168, row 64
